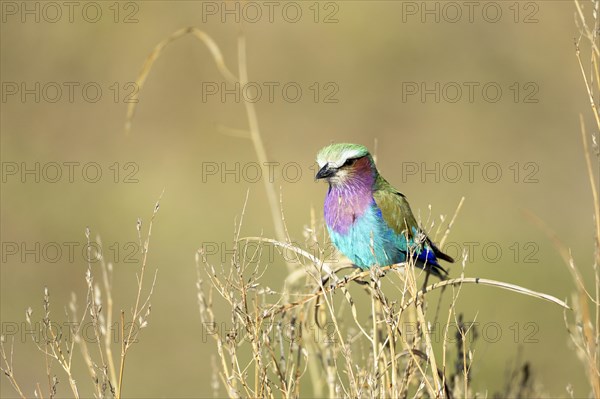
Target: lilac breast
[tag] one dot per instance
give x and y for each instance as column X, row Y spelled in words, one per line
column 345, row 203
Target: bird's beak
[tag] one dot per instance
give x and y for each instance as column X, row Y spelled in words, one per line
column 325, row 172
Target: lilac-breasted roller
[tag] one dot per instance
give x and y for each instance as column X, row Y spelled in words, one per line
column 368, row 220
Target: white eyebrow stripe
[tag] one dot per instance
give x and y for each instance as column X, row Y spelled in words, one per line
column 348, row 154
column 339, row 161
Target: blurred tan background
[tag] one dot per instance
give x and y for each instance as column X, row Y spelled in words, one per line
column 369, row 57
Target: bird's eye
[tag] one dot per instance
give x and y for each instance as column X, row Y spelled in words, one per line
column 350, row 162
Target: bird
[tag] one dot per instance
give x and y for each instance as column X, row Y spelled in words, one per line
column 368, row 220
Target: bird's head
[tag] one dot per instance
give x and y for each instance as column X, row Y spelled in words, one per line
column 342, row 163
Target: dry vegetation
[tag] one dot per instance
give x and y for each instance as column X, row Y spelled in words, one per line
column 313, row 339
column 364, row 334
column 58, row 346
